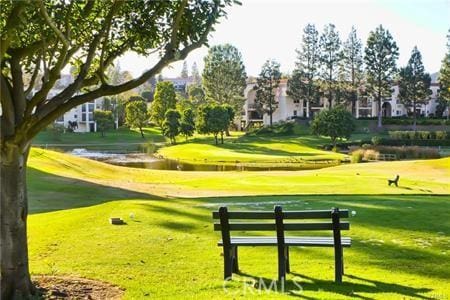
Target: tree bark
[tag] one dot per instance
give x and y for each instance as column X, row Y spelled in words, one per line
column 142, row 132
column 15, row 276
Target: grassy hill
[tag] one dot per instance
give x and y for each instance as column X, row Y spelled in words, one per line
column 168, row 249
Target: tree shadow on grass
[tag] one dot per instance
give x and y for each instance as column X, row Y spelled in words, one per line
column 300, row 283
column 48, row 192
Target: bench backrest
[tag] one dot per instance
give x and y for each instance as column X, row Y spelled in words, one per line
column 275, row 221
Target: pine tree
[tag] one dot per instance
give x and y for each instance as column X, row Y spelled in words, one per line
column 224, row 77
column 195, row 74
column 414, row 83
column 330, row 57
column 184, row 70
column 301, row 84
column 352, row 67
column 266, row 85
column 444, row 78
column 381, row 54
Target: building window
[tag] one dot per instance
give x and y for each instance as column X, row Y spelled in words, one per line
column 75, row 116
column 83, row 117
column 295, row 113
column 60, row 119
column 296, row 101
column 83, row 108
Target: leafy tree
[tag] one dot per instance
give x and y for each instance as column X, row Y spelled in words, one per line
column 266, row 84
column 224, row 76
column 136, row 115
column 196, row 94
column 301, row 85
column 195, row 74
column 184, row 70
column 414, row 83
column 147, row 95
column 214, row 119
column 444, row 79
column 104, row 120
column 48, row 36
column 335, row 123
column 187, row 123
column 171, row 125
column 381, row 54
column 352, row 67
column 330, row 58
column 163, row 100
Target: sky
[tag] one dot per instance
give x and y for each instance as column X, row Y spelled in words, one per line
column 272, row 29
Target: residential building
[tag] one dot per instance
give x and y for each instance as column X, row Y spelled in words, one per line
column 289, row 108
column 81, row 115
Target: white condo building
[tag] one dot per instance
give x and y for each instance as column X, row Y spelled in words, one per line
column 365, row 107
column 83, row 114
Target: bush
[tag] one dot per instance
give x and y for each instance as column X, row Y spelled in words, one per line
column 281, row 128
column 56, row 130
column 376, row 140
column 441, row 135
column 424, row 135
column 357, row 156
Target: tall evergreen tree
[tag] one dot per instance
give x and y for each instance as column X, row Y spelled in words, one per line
column 444, row 78
column 266, row 85
column 184, row 70
column 352, row 67
column 381, row 54
column 414, row 83
column 330, row 57
column 224, row 76
column 301, row 85
column 195, row 74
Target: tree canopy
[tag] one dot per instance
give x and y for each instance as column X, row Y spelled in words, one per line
column 266, row 85
column 104, row 120
column 39, row 39
column 163, row 100
column 414, row 83
column 302, row 83
column 224, row 77
column 381, row 54
column 335, row 123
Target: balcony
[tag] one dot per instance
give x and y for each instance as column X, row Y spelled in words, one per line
column 252, row 106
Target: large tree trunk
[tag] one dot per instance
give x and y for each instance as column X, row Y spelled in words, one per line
column 380, row 113
column 15, row 276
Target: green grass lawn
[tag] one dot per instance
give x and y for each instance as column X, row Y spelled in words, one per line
column 168, row 249
column 247, row 149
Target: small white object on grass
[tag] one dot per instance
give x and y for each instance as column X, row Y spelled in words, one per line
column 131, row 215
column 353, row 213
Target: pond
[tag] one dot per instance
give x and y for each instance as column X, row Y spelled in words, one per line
column 146, row 161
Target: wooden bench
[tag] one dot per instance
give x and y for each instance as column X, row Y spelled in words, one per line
column 274, row 221
column 394, row 181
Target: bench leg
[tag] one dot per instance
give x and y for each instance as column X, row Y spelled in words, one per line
column 235, row 260
column 338, row 266
column 286, row 253
column 281, row 266
column 227, row 263
column 342, row 260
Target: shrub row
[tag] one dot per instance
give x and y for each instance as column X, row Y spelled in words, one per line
column 415, row 142
column 418, row 135
column 410, row 121
column 281, row 128
column 369, row 152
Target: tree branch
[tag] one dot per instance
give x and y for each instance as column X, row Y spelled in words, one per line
column 51, row 24
column 34, row 76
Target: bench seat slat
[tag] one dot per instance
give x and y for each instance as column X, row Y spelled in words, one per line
column 287, row 226
column 289, row 241
column 302, row 214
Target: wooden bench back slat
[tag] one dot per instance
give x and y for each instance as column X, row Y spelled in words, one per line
column 287, row 226
column 268, row 215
